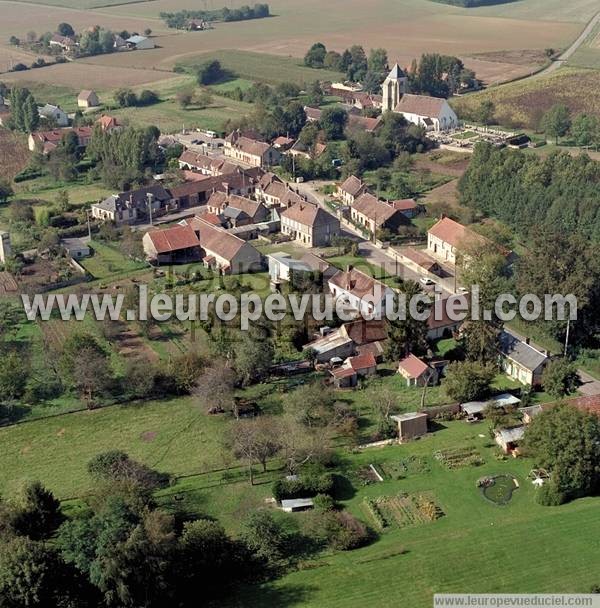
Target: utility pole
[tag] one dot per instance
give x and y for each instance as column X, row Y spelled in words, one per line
column 87, row 215
column 567, row 336
column 150, row 211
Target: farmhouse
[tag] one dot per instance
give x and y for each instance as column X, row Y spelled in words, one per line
column 65, row 43
column 47, row 141
column 368, row 211
column 250, row 151
column 447, row 237
column 223, row 251
column 236, row 210
column 433, row 113
column 140, row 43
column 344, row 377
column 360, row 291
column 54, row 114
column 411, row 425
column 350, row 189
column 309, row 225
column 415, row 371
column 178, row 244
column 127, row 207
column 521, row 361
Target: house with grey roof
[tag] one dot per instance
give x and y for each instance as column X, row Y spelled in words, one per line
column 128, row 207
column 55, row 114
column 139, row 43
column 521, row 361
column 282, row 265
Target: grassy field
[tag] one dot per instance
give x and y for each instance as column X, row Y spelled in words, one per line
column 108, row 261
column 521, row 104
column 262, row 67
column 588, row 54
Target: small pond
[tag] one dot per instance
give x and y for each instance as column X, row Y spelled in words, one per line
column 498, row 488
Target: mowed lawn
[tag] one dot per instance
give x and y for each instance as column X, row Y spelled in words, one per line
column 174, row 436
column 476, row 546
column 107, row 261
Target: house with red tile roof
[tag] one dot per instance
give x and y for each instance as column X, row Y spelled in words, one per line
column 350, row 189
column 415, row 371
column 447, row 237
column 374, row 214
column 360, row 291
column 109, row 123
column 172, row 245
column 47, row 141
column 309, row 224
column 364, row 365
column 250, row 151
column 223, row 251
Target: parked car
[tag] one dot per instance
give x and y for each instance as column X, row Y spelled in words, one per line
column 426, row 281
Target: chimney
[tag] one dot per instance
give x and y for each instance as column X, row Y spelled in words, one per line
column 349, row 268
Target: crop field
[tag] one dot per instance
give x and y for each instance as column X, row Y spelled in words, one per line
column 588, row 54
column 521, row 104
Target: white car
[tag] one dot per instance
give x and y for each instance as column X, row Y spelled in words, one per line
column 426, row 281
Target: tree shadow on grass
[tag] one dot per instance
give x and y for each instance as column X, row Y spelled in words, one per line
column 269, row 595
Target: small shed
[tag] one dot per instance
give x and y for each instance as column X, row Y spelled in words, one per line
column 76, row 248
column 411, row 425
column 344, row 377
column 88, row 99
column 296, row 504
column 415, row 371
column 509, row 439
column 476, row 408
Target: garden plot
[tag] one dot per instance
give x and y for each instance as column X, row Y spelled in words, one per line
column 399, row 469
column 459, row 457
column 403, row 510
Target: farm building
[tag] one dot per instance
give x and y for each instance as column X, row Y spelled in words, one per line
column 140, row 43
column 411, row 425
column 178, row 244
column 477, row 408
column 291, row 505
column 88, row 99
column 281, row 265
column 76, row 248
column 128, row 207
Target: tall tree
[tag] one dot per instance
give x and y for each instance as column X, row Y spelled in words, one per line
column 556, row 122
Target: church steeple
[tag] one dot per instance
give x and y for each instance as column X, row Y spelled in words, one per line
column 394, row 86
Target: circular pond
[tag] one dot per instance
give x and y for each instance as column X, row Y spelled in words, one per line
column 498, row 488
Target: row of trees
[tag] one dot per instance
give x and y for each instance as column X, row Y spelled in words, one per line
column 180, row 20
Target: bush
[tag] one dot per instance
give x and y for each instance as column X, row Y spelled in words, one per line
column 550, row 496
column 306, row 486
column 27, row 174
column 117, row 466
column 324, row 502
column 339, row 530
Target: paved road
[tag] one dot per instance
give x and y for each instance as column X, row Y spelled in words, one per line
column 589, row 385
column 558, row 63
